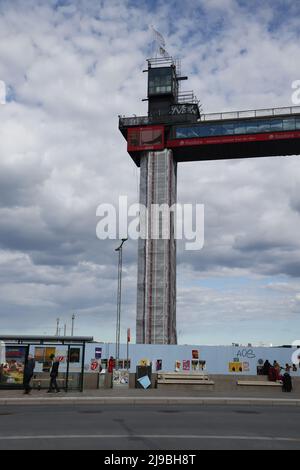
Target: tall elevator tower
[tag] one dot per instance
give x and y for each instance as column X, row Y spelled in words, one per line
column 156, row 290
column 156, row 296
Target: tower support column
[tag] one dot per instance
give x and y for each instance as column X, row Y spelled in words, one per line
column 156, row 291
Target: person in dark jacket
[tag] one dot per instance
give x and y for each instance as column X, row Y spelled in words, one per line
column 266, row 368
column 28, row 374
column 54, row 375
column 287, row 385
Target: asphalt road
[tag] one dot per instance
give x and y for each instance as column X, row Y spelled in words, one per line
column 157, row 428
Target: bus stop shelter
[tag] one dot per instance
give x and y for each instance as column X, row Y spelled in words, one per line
column 70, row 351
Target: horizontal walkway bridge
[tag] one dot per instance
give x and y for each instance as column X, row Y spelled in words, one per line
column 239, row 134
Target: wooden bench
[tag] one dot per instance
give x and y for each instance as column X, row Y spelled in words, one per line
column 182, row 378
column 258, row 383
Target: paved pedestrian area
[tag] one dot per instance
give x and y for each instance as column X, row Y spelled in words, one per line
column 123, row 391
column 135, row 396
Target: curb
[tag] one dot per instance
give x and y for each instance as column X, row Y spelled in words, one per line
column 150, row 401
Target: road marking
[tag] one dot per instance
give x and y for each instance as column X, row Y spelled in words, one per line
column 149, row 436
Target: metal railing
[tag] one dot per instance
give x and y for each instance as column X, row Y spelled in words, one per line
column 162, row 61
column 134, row 121
column 187, row 97
column 290, row 110
column 167, row 119
column 146, row 120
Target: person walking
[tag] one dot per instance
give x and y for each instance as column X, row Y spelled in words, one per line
column 110, row 369
column 53, row 376
column 28, row 374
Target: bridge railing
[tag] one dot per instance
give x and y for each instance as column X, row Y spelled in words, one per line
column 134, row 121
column 146, row 120
column 168, row 119
column 290, row 110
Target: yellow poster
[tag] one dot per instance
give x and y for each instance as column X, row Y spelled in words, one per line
column 49, row 353
column 144, row 362
column 235, row 367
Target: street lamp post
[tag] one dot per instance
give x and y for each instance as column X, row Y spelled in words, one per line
column 57, row 326
column 73, row 323
column 119, row 300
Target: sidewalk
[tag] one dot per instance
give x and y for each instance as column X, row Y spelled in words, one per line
column 148, row 397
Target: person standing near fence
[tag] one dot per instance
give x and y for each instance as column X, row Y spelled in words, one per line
column 266, row 368
column 54, row 375
column 111, row 365
column 287, row 384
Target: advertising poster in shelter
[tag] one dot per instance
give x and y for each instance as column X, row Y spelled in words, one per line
column 62, row 355
column 39, row 355
column 12, row 365
column 44, row 355
column 186, row 365
column 75, row 356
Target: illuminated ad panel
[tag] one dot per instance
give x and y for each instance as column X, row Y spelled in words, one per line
column 146, row 138
column 12, row 364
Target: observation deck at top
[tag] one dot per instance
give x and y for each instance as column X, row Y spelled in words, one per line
column 238, row 134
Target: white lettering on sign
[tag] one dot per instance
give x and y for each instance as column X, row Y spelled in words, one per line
column 180, row 109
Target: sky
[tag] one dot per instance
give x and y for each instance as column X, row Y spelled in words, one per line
column 71, row 67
